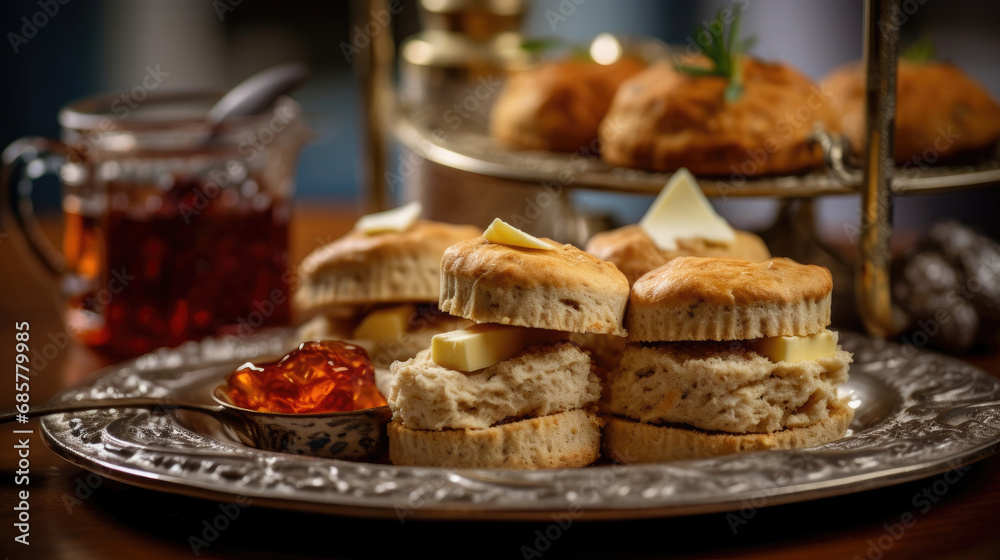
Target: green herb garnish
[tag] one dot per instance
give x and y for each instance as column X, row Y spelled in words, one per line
column 551, row 44
column 921, row 52
column 543, row 45
column 724, row 49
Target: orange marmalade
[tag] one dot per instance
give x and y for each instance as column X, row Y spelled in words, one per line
column 318, row 376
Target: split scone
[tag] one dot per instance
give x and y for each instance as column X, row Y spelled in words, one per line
column 680, row 223
column 725, row 356
column 663, row 119
column 378, row 285
column 510, row 391
column 941, row 112
column 558, row 106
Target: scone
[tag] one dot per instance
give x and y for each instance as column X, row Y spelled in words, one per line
column 663, row 119
column 726, row 355
column 635, row 253
column 941, row 112
column 558, row 106
column 562, row 288
column 511, row 391
column 378, row 286
column 637, row 249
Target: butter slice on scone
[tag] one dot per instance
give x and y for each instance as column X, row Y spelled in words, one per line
column 680, row 223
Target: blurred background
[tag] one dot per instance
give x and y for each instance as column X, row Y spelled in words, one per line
column 91, row 46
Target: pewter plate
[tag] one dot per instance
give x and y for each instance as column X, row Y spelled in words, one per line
column 917, row 414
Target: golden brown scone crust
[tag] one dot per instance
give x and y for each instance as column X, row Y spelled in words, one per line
column 627, row 442
column 385, row 267
column 716, row 298
column 939, row 110
column 635, row 253
column 732, row 281
column 663, row 120
column 563, row 289
column 558, row 106
column 556, row 441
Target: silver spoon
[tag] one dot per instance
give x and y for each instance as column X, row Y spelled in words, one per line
column 10, row 415
column 255, row 94
column 352, row 435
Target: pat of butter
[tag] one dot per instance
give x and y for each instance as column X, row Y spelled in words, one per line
column 681, row 211
column 397, row 219
column 797, row 348
column 478, row 346
column 506, row 234
column 385, row 325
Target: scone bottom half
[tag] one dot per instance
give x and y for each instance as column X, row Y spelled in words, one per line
column 534, row 410
column 702, row 399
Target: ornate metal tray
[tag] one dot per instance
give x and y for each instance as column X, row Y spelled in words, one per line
column 476, row 152
column 916, row 414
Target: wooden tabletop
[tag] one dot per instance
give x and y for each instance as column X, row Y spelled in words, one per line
column 77, row 514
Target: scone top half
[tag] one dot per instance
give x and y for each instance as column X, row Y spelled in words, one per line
column 562, row 289
column 695, row 299
column 386, row 267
